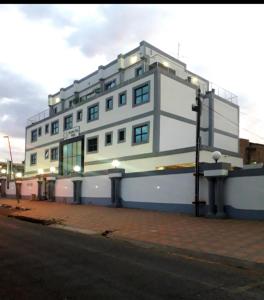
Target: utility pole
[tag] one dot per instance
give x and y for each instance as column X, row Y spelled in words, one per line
column 197, row 109
column 11, row 162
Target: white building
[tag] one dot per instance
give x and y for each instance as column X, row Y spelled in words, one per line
column 137, row 109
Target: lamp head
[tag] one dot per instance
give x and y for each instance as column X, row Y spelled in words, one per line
column 115, row 163
column 216, row 156
column 52, row 169
column 77, row 168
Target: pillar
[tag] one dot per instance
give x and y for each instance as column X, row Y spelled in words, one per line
column 211, row 196
column 115, row 176
column 219, row 198
column 40, row 189
column 3, row 187
column 51, row 181
column 77, row 190
column 18, row 190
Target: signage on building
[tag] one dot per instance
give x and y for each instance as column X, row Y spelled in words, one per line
column 71, row 133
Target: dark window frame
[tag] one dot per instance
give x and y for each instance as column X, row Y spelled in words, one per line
column 36, row 137
column 46, row 128
column 119, row 97
column 88, row 112
column 134, row 143
column 106, row 103
column 40, row 131
column 118, row 137
column 46, row 151
column 87, row 144
column 137, row 69
column 109, row 133
column 141, row 86
column 79, row 111
column 58, row 127
column 64, row 123
column 36, row 157
column 51, row 152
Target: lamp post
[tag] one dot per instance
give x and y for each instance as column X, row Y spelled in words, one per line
column 10, row 152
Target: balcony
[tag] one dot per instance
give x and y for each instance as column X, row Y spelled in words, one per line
column 38, row 117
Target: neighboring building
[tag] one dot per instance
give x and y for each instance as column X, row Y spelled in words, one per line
column 137, row 109
column 251, row 152
column 17, row 167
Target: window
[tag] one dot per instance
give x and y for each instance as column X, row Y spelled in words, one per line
column 70, row 103
column 110, row 84
column 79, row 115
column 33, row 158
column 34, row 135
column 46, row 128
column 141, row 134
column 93, row 113
column 55, row 109
column 139, row 71
column 141, row 94
column 54, row 127
column 68, row 122
column 121, row 135
column 39, row 131
column 92, row 144
column 108, row 138
column 54, row 154
column 122, row 99
column 109, row 103
column 72, row 155
column 46, row 154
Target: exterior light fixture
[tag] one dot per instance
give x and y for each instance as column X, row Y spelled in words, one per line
column 216, row 156
column 3, row 171
column 76, row 168
column 18, row 175
column 115, row 163
column 133, row 59
column 40, row 171
column 165, row 64
column 52, row 169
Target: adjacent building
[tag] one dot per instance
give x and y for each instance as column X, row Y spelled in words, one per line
column 137, row 109
column 251, row 152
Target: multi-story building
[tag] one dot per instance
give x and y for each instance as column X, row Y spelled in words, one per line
column 251, row 152
column 136, row 109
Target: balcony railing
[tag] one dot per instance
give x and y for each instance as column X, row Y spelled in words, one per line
column 38, row 117
column 221, row 92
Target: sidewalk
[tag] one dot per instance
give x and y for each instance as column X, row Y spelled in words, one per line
column 239, row 239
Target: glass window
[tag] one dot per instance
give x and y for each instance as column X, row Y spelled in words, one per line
column 68, row 122
column 109, row 103
column 79, row 115
column 54, row 153
column 92, row 144
column 122, row 99
column 34, row 135
column 141, row 134
column 46, row 154
column 70, row 103
column 46, row 128
column 141, row 94
column 72, row 156
column 121, row 135
column 139, row 71
column 55, row 127
column 93, row 113
column 33, row 158
column 108, row 138
column 40, row 131
column 55, row 109
column 110, row 84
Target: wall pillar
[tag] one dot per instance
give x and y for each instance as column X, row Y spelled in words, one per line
column 219, row 198
column 51, row 181
column 211, row 196
column 115, row 176
column 40, row 190
column 18, row 189
column 3, row 187
column 77, row 190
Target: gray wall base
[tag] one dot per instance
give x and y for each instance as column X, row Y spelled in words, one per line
column 247, row 214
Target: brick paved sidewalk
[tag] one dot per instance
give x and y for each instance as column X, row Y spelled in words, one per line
column 239, row 239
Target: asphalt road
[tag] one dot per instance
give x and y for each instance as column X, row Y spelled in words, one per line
column 39, row 262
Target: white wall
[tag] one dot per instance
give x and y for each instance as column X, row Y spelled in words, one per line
column 175, row 134
column 12, row 189
column 96, row 186
column 245, row 192
column 225, row 142
column 177, row 98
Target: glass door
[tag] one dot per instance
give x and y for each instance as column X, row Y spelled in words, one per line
column 72, row 155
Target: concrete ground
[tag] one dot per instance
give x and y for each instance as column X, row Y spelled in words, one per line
column 238, row 239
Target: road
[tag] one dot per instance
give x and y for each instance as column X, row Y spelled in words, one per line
column 41, row 262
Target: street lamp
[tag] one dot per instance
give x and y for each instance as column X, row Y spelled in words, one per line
column 115, row 163
column 216, row 156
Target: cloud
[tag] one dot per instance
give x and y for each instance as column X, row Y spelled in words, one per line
column 121, row 27
column 17, row 99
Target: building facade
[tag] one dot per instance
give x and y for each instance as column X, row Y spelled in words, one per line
column 138, row 110
column 251, row 152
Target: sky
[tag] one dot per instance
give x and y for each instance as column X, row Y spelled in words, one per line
column 45, row 47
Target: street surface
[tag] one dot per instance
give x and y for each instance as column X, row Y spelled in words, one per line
column 40, row 262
